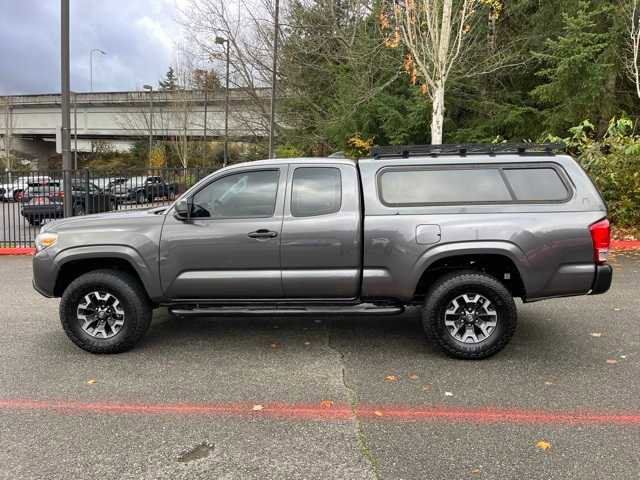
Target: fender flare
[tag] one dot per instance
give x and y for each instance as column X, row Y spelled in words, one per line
column 147, row 275
column 446, row 250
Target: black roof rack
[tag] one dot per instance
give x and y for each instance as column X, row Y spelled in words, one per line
column 406, row 151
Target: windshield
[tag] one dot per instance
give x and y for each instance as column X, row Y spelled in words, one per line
column 135, row 181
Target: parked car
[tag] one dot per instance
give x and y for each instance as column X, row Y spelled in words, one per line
column 144, row 189
column 115, row 181
column 460, row 231
column 14, row 189
column 47, row 202
column 50, row 189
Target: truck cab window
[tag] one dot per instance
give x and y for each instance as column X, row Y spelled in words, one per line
column 241, row 195
column 316, row 191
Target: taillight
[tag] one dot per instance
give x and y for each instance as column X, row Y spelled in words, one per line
column 601, row 237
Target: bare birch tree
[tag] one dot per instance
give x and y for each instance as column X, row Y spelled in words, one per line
column 438, row 35
column 633, row 45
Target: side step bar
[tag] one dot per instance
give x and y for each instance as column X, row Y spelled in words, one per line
column 282, row 310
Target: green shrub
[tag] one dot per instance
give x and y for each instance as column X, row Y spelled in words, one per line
column 613, row 163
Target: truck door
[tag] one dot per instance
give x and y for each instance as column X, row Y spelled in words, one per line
column 230, row 247
column 321, row 233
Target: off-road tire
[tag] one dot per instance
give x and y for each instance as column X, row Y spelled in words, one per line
column 444, row 290
column 132, row 297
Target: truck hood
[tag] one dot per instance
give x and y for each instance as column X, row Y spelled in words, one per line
column 118, row 220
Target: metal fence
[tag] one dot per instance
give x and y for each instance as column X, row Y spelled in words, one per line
column 29, row 200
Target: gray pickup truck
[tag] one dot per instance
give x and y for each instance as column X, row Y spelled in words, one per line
column 458, row 230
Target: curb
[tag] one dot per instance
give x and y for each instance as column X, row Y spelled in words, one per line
column 17, row 251
column 616, row 245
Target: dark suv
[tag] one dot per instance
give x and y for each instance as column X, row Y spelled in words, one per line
column 460, row 230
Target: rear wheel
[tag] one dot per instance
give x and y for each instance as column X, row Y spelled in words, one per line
column 470, row 315
column 105, row 311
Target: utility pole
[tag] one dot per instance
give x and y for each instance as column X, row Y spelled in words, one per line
column 66, row 110
column 75, row 131
column 206, row 102
column 274, row 80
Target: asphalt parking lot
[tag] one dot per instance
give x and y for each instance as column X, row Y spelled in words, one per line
column 323, row 398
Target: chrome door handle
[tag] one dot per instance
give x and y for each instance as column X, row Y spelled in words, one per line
column 263, row 234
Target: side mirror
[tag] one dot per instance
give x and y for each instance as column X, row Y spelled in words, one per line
column 183, row 208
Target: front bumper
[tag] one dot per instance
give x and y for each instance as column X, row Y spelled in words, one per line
column 44, row 274
column 602, row 281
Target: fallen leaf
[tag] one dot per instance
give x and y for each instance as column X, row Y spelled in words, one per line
column 413, row 376
column 92, row 381
column 427, row 387
column 548, row 383
column 275, row 345
column 378, row 413
column 448, row 394
column 257, row 408
column 391, row 378
column 326, row 403
column 476, row 471
column 617, row 309
column 612, row 361
column 596, row 334
column 543, row 445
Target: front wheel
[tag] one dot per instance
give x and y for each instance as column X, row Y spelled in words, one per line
column 105, row 311
column 470, row 315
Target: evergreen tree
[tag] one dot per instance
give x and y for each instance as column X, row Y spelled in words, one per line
column 170, row 81
column 575, row 68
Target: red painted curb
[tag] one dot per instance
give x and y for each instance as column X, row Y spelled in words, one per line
column 338, row 412
column 17, row 251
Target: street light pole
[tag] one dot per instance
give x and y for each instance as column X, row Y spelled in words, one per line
column 91, row 65
column 66, row 110
column 274, row 80
column 149, row 88
column 225, row 41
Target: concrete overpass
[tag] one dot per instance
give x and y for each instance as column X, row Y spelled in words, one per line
column 31, row 123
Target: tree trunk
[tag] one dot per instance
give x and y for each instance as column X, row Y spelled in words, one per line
column 437, row 116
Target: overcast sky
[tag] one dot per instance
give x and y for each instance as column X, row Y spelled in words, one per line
column 138, row 36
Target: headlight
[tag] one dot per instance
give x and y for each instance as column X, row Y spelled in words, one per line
column 45, row 240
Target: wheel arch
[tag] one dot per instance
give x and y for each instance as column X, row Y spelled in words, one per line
column 74, row 262
column 503, row 260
